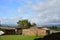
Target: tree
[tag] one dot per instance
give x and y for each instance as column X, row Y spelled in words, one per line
column 24, row 23
column 0, row 28
column 33, row 24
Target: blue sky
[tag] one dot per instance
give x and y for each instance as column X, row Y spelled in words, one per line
column 40, row 12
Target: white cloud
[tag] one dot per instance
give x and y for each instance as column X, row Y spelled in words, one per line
column 20, row 11
column 11, row 20
column 48, row 11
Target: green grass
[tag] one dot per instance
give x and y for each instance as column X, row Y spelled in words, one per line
column 17, row 37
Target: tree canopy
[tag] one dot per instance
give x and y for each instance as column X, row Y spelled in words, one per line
column 33, row 24
column 24, row 23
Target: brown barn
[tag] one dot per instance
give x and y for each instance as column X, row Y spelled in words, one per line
column 36, row 31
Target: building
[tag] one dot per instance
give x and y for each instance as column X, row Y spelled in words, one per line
column 11, row 30
column 36, row 31
column 28, row 31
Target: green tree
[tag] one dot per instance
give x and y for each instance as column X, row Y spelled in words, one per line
column 33, row 24
column 24, row 23
column 0, row 28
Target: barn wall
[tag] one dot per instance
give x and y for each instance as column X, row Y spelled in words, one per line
column 9, row 32
column 41, row 32
column 28, row 32
column 33, row 32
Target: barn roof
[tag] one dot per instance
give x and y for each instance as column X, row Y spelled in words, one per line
column 9, row 27
column 36, row 27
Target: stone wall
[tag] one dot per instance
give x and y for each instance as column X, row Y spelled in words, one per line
column 33, row 32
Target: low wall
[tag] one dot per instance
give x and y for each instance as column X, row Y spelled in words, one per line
column 33, row 32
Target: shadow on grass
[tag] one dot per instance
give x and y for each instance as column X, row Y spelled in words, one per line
column 54, row 36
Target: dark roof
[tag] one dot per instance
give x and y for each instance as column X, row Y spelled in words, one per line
column 7, row 27
column 3, row 27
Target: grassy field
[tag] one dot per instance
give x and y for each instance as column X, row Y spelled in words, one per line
column 18, row 37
